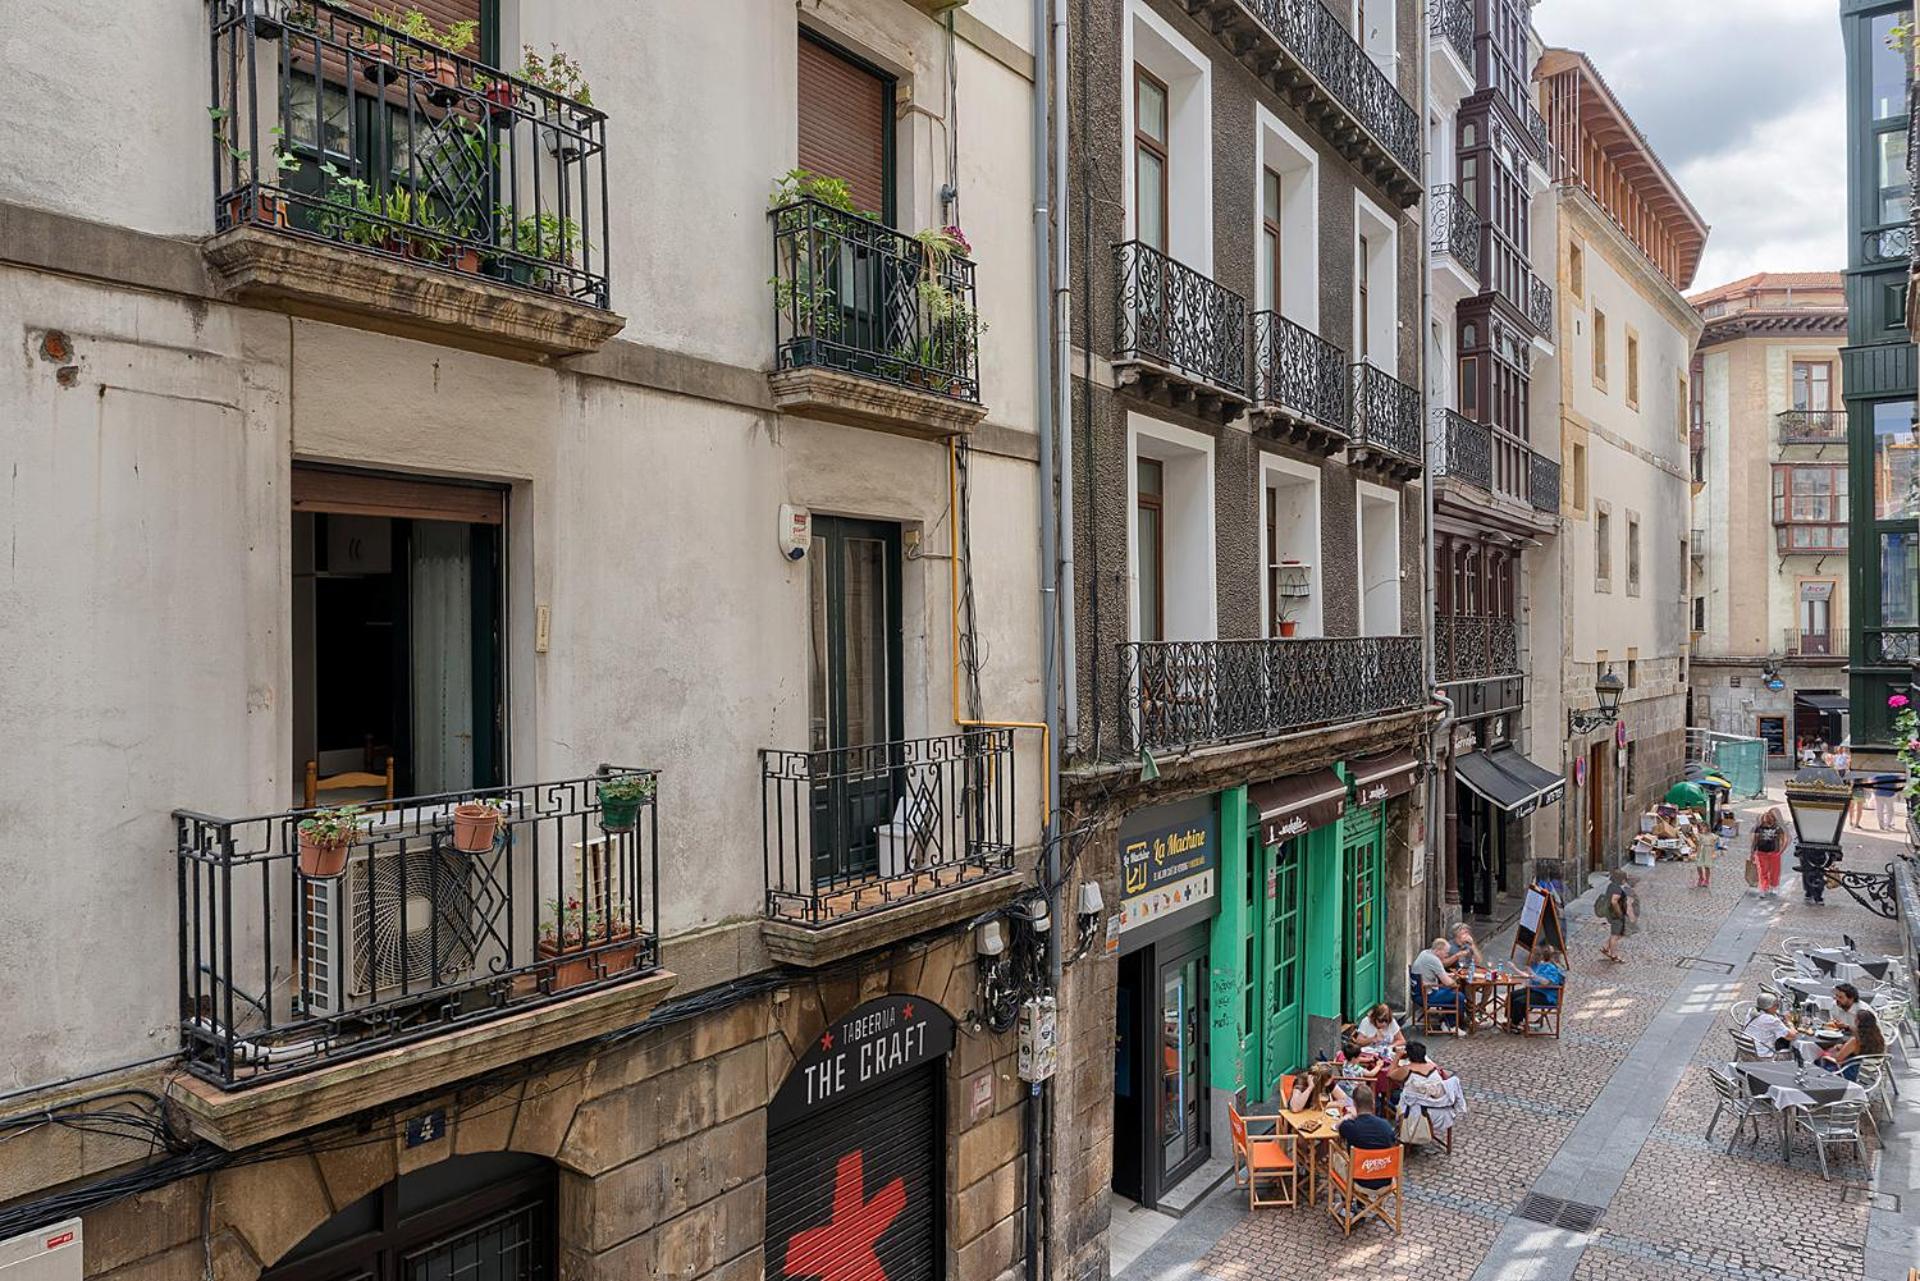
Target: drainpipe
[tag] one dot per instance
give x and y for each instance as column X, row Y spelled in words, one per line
column 1063, row 397
column 1436, row 785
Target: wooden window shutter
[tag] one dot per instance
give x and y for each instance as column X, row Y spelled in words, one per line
column 844, row 110
column 358, row 494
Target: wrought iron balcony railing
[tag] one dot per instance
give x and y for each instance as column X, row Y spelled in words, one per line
column 1298, row 372
column 1176, row 694
column 852, row 830
column 1386, row 413
column 1322, row 45
column 1544, row 485
column 1890, row 646
column 1454, row 227
column 1451, row 22
column 1469, row 647
column 1170, row 315
column 291, row 958
column 1540, row 305
column 329, row 125
column 1889, row 244
column 1534, row 126
column 1462, row 449
column 1811, row 426
column 854, row 295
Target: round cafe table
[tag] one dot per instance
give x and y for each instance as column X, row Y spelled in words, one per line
column 1484, row 994
column 1819, row 992
column 1787, row 1086
column 1845, row 965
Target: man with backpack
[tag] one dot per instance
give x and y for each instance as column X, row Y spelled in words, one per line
column 1619, row 907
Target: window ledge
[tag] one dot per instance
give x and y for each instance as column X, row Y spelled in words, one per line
column 255, row 265
column 813, row 946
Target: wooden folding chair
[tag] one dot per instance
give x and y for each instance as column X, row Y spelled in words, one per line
column 1284, row 1090
column 1543, row 1018
column 1425, row 1017
column 1263, row 1158
column 1352, row 1203
column 353, row 780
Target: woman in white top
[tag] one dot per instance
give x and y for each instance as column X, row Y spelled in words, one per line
column 1379, row 1031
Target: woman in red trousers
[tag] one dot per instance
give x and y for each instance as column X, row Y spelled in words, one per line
column 1769, row 843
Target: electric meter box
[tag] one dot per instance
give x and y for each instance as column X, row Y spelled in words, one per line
column 1039, row 1045
column 49, row 1254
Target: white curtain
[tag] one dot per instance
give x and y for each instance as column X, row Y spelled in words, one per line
column 442, row 658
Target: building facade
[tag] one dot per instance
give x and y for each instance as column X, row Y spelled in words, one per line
column 1878, row 369
column 1770, row 512
column 395, row 430
column 1243, row 762
column 1629, row 242
column 1495, row 459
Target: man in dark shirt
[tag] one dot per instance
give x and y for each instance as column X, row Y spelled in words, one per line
column 1367, row 1129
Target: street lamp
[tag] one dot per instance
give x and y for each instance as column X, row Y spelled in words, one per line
column 1818, row 798
column 1607, row 688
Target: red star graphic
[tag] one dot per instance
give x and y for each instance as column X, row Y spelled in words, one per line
column 842, row 1249
column 826, row 1040
column 906, row 1011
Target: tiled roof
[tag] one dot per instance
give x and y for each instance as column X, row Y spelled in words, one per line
column 1764, row 280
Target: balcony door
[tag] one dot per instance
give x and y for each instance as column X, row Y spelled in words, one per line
column 855, row 691
column 1816, row 616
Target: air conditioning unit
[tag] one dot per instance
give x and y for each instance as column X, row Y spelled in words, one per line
column 407, row 912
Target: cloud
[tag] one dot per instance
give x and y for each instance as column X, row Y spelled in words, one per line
column 1744, row 102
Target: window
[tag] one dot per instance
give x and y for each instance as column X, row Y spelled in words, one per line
column 1272, row 237
column 1150, row 157
column 1579, row 469
column 1363, row 288
column 1576, row 270
column 1633, row 668
column 1376, row 336
column 1602, row 550
column 1898, row 565
column 1889, row 70
column 1699, row 613
column 1813, row 385
column 1810, row 507
column 1816, row 616
column 1291, row 494
column 1379, row 529
column 1633, row 554
column 845, row 112
column 1633, row 370
column 1896, row 461
column 1599, row 349
column 1895, row 194
column 1681, row 418
column 1150, row 540
column 1171, row 555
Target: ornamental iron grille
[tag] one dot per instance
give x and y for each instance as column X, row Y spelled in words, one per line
column 1321, row 44
column 851, row 830
column 854, row 295
column 329, row 125
column 1455, row 227
column 1462, row 448
column 1176, row 694
column 281, row 970
column 1452, row 21
column 1470, row 647
column 1298, row 372
column 1170, row 315
column 1889, row 244
column 1891, row 646
column 1386, row 413
column 1540, row 305
column 1535, row 127
column 1545, row 485
column 1811, row 426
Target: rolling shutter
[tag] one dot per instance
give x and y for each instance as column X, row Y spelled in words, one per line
column 843, row 114
column 859, row 1176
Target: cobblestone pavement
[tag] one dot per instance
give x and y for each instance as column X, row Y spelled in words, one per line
column 1687, row 1211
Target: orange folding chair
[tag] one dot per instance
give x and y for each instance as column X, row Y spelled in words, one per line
column 1263, row 1158
column 1351, row 1203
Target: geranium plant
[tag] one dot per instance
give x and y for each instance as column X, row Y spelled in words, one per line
column 1906, row 738
column 332, row 826
column 571, row 926
column 557, row 74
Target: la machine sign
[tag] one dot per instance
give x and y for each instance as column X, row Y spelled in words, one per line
column 875, row 1043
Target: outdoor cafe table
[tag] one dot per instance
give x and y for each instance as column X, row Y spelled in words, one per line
column 1315, row 1132
column 1787, row 1086
column 1820, row 991
column 1845, row 965
column 1485, row 992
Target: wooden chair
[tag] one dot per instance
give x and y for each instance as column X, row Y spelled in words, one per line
column 1284, row 1091
column 352, row 780
column 1543, row 1018
column 1424, row 1017
column 1351, row 1203
column 1263, row 1158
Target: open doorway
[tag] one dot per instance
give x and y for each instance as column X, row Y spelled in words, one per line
column 397, row 637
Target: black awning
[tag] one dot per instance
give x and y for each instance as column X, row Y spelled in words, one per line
column 1290, row 807
column 1548, row 786
column 1383, row 777
column 1491, row 783
column 1821, row 702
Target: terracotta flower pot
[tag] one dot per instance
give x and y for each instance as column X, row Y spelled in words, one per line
column 575, row 966
column 261, row 208
column 377, row 61
column 322, row 860
column 1287, row 629
column 474, row 827
column 467, row 260
column 502, row 98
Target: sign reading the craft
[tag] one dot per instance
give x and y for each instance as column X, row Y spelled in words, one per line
column 1539, row 926
column 877, row 1042
column 1168, row 855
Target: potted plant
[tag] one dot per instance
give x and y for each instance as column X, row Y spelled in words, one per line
column 1286, row 625
column 455, row 40
column 379, row 62
column 253, row 202
column 476, row 824
column 326, row 835
column 805, row 264
column 545, row 237
column 621, row 797
column 502, row 96
column 558, row 75
column 571, row 930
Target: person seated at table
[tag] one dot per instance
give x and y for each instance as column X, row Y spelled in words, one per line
column 1438, row 987
column 1415, row 1065
column 1769, row 1031
column 1317, row 1089
column 1466, row 951
column 1866, row 1039
column 1542, row 989
column 1379, row 1031
column 1846, row 1004
column 1366, row 1130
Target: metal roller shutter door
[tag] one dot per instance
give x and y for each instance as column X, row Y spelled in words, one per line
column 887, row 1136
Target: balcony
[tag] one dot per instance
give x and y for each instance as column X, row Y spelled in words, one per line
column 1386, row 422
column 871, row 844
column 301, row 969
column 1180, row 337
column 1450, row 23
column 1299, row 383
column 1889, row 244
column 1539, row 306
column 363, row 172
column 1890, row 647
column 1455, row 228
column 1543, row 485
column 872, row 326
column 1462, row 449
column 1811, row 426
column 1474, row 647
column 1830, row 643
column 1304, row 52
column 1182, row 694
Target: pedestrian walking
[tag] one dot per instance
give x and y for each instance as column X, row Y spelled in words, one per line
column 1620, row 909
column 1813, row 865
column 1711, row 848
column 1769, row 843
column 1885, row 792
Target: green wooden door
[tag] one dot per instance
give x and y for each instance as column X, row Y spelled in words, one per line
column 1364, row 856
column 1283, row 1045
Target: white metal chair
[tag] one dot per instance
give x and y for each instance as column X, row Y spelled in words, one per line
column 1744, row 1049
column 1740, row 1014
column 1830, row 1124
column 1736, row 1102
column 1876, row 1078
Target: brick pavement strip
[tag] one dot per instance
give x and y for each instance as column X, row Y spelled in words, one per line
column 1685, row 1210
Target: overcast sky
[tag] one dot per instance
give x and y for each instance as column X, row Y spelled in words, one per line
column 1743, row 100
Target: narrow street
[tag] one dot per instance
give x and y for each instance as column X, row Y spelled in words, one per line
column 1612, row 1116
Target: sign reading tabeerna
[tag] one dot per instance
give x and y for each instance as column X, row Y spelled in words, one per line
column 880, row 1040
column 1167, row 858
